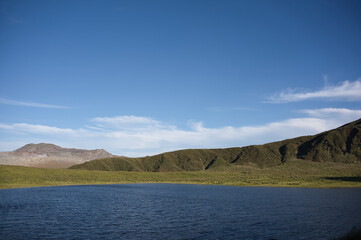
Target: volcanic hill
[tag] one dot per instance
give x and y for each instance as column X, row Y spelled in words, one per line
column 50, row 156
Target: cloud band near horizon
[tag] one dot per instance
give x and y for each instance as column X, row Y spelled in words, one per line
column 346, row 91
column 136, row 136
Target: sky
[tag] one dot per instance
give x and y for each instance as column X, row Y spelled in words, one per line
column 139, row 78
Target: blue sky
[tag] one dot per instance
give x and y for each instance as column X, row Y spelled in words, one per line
column 143, row 77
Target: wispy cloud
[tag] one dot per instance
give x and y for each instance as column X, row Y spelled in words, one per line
column 128, row 124
column 122, row 122
column 232, row 108
column 346, row 91
column 140, row 136
column 36, row 129
column 29, row 104
column 333, row 113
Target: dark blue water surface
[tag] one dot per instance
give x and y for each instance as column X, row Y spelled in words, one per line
column 176, row 211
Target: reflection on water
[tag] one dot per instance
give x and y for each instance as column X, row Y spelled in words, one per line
column 175, row 211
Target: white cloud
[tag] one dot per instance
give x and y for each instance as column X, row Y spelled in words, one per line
column 345, row 113
column 347, row 91
column 125, row 120
column 29, row 104
column 128, row 123
column 151, row 136
column 37, row 129
column 232, row 108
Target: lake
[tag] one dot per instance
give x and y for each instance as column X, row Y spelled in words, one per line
column 177, row 211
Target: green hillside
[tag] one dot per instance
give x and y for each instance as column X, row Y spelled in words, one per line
column 294, row 173
column 329, row 159
column 339, row 145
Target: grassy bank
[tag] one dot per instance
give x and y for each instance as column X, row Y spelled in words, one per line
column 295, row 173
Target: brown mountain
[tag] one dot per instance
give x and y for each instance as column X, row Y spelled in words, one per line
column 50, row 156
column 342, row 144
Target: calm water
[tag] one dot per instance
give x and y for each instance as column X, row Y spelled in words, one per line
column 175, row 211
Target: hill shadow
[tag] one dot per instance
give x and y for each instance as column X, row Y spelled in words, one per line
column 347, row 179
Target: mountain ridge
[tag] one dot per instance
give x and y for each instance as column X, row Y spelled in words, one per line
column 342, row 144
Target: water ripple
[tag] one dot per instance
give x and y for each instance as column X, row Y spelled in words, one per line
column 172, row 211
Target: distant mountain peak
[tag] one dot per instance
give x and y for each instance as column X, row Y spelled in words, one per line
column 38, row 148
column 44, row 148
column 342, row 144
column 50, row 156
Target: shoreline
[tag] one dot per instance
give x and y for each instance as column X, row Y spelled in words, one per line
column 294, row 174
column 325, row 186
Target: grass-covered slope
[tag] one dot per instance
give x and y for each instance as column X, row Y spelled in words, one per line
column 294, row 173
column 339, row 145
column 183, row 160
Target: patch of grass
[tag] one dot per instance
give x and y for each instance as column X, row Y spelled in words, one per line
column 294, row 173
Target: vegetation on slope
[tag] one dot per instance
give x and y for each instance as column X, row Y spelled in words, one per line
column 294, row 173
column 329, row 159
column 339, row 145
